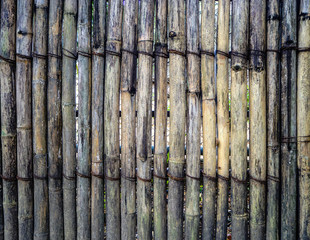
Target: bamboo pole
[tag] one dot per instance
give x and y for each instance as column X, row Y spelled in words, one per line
column 273, row 117
column 97, row 188
column 111, row 120
column 39, row 82
column 192, row 218
column 69, row 117
column 222, row 117
column 128, row 131
column 23, row 114
column 239, row 64
column 288, row 120
column 177, row 47
column 8, row 118
column 84, row 132
column 160, row 151
column 303, row 118
column 208, row 118
column 257, row 119
column 1, row 182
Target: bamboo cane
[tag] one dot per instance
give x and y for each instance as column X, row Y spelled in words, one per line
column 111, row 120
column 257, row 119
column 239, row 63
column 303, row 118
column 1, row 182
column 39, row 82
column 84, row 121
column 177, row 47
column 192, row 219
column 288, row 120
column 222, row 117
column 69, row 117
column 23, row 113
column 128, row 131
column 8, row 118
column 160, row 151
column 209, row 118
column 273, row 117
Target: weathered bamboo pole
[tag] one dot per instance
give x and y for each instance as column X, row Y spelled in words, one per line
column 39, row 123
column 160, row 151
column 111, row 120
column 8, row 118
column 83, row 211
column 258, row 119
column 1, row 182
column 303, row 118
column 239, row 65
column 128, row 98
column 23, row 114
column 288, row 120
column 177, row 47
column 222, row 117
column 192, row 218
column 208, row 118
column 69, row 117
column 273, row 118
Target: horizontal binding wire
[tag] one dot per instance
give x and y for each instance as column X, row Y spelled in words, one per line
column 37, row 55
column 39, row 178
column 132, row 179
column 68, row 177
column 160, row 54
column 101, row 176
column 179, row 179
column 289, row 140
column 223, row 178
column 143, row 179
column 273, row 50
column 177, row 52
column 195, row 178
column 8, row 179
column 273, row 178
column 129, row 51
column 160, row 177
column 302, row 138
column 213, row 179
column 82, row 175
column 257, row 180
column 204, row 52
column 146, row 53
column 69, row 54
column 84, row 54
column 225, row 54
column 23, row 56
column 287, row 48
column 193, row 53
column 10, row 61
column 54, row 55
column 112, row 178
column 305, row 49
column 25, row 179
column 98, row 54
column 238, row 180
column 113, row 53
column 239, row 54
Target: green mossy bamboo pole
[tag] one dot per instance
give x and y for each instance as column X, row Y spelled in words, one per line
column 222, row 117
column 69, row 117
column 192, row 212
column 288, row 120
column 24, row 118
column 8, row 118
column 273, row 118
column 258, row 126
column 239, row 64
column 177, row 47
column 84, row 132
column 208, row 118
column 128, row 131
column 160, row 151
column 303, row 118
column 111, row 120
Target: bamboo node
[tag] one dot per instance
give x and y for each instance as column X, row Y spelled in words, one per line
column 177, row 160
column 303, row 49
column 273, row 51
column 179, row 179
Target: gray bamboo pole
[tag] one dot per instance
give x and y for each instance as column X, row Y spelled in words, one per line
column 8, row 118
column 177, row 47
column 111, row 120
column 1, row 182
column 258, row 119
column 303, row 118
column 83, row 203
column 23, row 114
column 39, row 123
column 128, row 131
column 273, row 118
column 69, row 117
column 288, row 120
column 208, row 118
column 192, row 212
column 239, row 64
column 222, row 117
column 160, row 151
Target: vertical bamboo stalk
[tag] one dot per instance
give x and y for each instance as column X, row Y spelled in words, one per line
column 8, row 118
column 177, row 47
column 160, row 151
column 1, row 182
column 23, row 112
column 257, row 119
column 222, row 117
column 273, row 117
column 97, row 188
column 84, row 121
column 239, row 64
column 111, row 119
column 303, row 118
column 69, row 117
column 128, row 131
column 288, row 120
